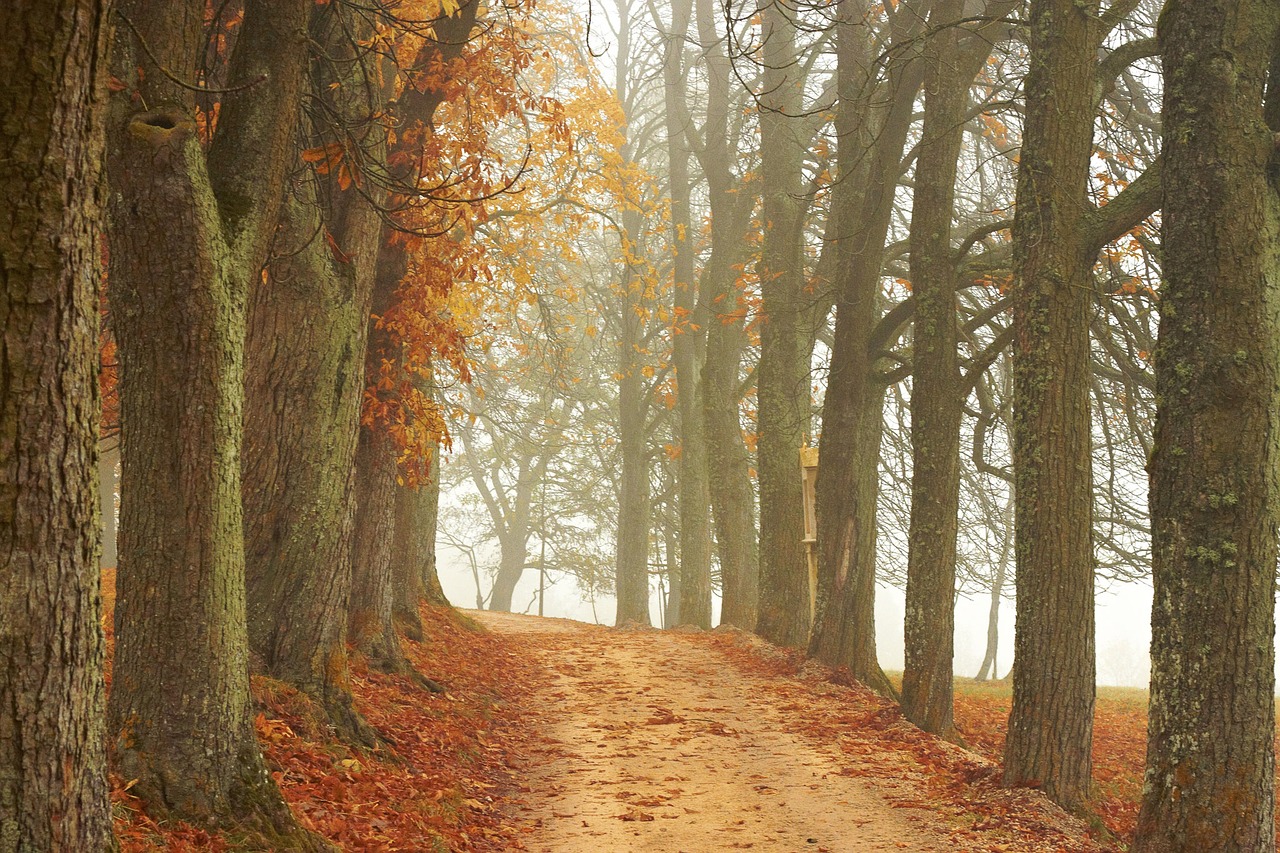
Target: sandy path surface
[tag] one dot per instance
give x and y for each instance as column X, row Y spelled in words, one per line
column 655, row 742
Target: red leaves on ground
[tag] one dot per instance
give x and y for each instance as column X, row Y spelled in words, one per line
column 914, row 769
column 442, row 787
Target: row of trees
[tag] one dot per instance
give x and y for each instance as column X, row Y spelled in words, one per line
column 286, row 215
column 926, row 236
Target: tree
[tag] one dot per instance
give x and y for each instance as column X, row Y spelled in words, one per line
column 1214, row 497
column 370, row 618
column 936, row 388
column 730, row 203
column 53, row 775
column 189, row 231
column 1057, row 237
column 783, row 371
column 876, row 108
column 689, row 329
column 306, row 319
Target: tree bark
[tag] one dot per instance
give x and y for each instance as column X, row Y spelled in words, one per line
column 306, row 331
column 875, row 120
column 689, row 330
column 632, row 569
column 370, row 622
column 53, row 774
column 413, row 553
column 936, row 388
column 728, row 460
column 1213, row 474
column 1051, row 723
column 188, row 236
column 782, row 389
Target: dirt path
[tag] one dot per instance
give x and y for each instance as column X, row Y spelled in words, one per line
column 655, row 742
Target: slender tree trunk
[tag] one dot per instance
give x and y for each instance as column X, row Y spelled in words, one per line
column 936, row 386
column 1051, row 723
column 728, row 460
column 633, row 504
column 1214, row 492
column 690, row 333
column 188, row 236
column 370, row 624
column 53, row 774
column 988, row 668
column 413, row 552
column 303, row 369
column 782, row 388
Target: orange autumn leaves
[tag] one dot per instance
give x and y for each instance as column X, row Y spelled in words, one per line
column 507, row 169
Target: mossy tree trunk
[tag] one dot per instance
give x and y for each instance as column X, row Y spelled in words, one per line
column 303, row 385
column 1213, row 474
column 1051, row 723
column 53, row 773
column 189, row 233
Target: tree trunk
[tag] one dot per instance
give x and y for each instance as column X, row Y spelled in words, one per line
column 1214, row 493
column 413, row 552
column 305, row 323
column 875, row 121
column 936, row 387
column 370, row 625
column 303, row 369
column 989, row 668
column 53, row 773
column 1051, row 724
column 188, row 237
column 515, row 556
column 633, row 504
column 782, row 388
column 689, row 330
column 728, row 460
column 369, row 621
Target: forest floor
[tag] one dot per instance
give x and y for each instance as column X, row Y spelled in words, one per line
column 560, row 736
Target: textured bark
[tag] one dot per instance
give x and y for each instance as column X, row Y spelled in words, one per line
column 875, row 120
column 782, row 388
column 1051, row 723
column 370, row 624
column 303, row 370
column 728, row 460
column 413, row 553
column 632, row 568
column 372, row 631
column 936, row 388
column 1213, row 474
column 687, row 346
column 188, row 237
column 53, row 774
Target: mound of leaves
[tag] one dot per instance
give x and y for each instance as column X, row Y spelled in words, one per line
column 441, row 782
